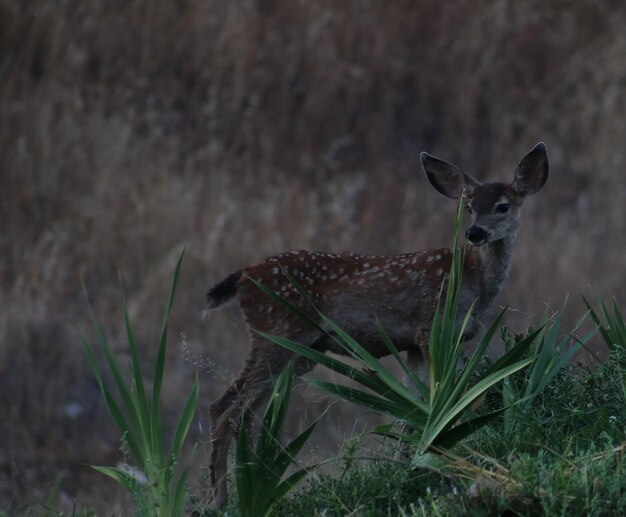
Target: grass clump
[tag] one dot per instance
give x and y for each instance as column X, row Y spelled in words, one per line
column 378, row 489
column 259, row 472
column 151, row 480
column 563, row 456
column 611, row 326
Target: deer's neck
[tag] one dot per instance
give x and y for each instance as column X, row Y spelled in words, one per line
column 490, row 266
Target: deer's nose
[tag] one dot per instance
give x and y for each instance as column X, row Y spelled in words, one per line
column 477, row 235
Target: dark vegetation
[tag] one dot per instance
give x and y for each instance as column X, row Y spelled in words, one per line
column 565, row 456
column 244, row 128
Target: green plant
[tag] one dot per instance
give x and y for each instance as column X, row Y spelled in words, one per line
column 259, row 472
column 612, row 329
column 564, row 457
column 552, row 353
column 367, row 489
column 441, row 420
column 138, row 418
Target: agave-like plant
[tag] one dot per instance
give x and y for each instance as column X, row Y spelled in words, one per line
column 552, row 352
column 259, row 472
column 612, row 329
column 439, row 413
column 151, row 481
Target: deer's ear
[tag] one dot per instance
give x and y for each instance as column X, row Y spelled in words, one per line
column 448, row 179
column 532, row 172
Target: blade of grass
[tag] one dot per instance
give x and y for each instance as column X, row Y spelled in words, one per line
column 156, row 435
column 138, row 397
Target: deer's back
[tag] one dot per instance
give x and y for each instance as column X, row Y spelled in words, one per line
column 354, row 291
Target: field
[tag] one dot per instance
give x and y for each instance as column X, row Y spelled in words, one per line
column 241, row 129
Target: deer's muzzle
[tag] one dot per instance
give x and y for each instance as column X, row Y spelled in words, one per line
column 477, row 235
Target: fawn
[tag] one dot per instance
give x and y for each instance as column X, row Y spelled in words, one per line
column 355, row 291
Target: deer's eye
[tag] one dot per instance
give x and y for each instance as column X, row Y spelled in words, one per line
column 502, row 208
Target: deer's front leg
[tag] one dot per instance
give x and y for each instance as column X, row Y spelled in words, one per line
column 417, row 357
column 418, row 364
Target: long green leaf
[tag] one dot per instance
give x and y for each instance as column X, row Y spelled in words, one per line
column 258, row 473
column 138, row 397
column 185, row 419
column 286, row 456
column 289, row 484
column 298, row 442
column 599, row 324
column 619, row 326
column 156, row 435
column 118, row 417
column 441, row 421
column 459, row 432
column 243, row 470
column 139, row 421
column 370, row 361
column 113, row 366
column 178, row 501
column 113, row 408
column 274, row 419
column 455, row 386
column 366, row 379
column 120, row 476
column 374, row 402
column 184, row 423
column 514, row 354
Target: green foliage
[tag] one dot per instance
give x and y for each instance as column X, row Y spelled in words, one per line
column 138, row 417
column 612, row 329
column 552, row 352
column 259, row 472
column 565, row 457
column 382, row 488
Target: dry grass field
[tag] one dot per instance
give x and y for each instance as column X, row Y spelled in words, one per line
column 244, row 128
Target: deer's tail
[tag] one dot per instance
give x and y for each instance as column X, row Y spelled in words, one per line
column 224, row 291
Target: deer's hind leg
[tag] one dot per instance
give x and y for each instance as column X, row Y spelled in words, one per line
column 241, row 400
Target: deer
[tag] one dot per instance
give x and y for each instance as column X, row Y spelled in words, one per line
column 358, row 291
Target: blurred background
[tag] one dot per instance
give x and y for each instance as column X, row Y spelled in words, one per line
column 245, row 128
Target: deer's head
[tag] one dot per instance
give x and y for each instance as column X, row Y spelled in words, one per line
column 494, row 207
